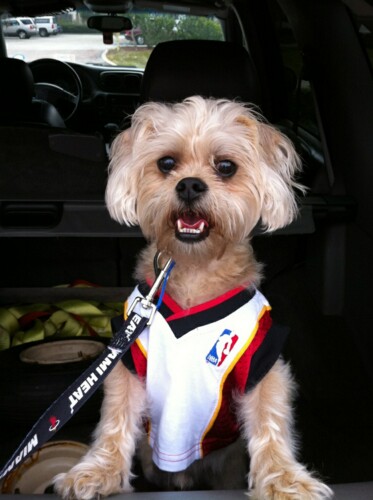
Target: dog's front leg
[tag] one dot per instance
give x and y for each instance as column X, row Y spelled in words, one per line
column 266, row 417
column 106, row 467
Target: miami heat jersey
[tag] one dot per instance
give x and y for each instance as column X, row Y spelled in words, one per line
column 194, row 361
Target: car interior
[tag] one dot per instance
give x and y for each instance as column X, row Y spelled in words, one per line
column 19, row 105
column 306, row 67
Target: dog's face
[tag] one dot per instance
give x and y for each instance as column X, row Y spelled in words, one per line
column 200, row 174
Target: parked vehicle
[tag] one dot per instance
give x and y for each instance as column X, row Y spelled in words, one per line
column 23, row 27
column 135, row 35
column 46, row 25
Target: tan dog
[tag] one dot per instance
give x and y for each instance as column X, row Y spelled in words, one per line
column 197, row 177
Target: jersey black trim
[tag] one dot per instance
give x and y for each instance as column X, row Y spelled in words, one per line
column 181, row 326
column 184, row 324
column 267, row 354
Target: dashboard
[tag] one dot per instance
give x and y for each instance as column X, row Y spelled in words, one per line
column 92, row 98
column 112, row 94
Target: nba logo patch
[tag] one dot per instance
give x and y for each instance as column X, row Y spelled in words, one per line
column 222, row 348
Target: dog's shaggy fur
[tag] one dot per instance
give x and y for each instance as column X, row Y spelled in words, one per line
column 242, row 173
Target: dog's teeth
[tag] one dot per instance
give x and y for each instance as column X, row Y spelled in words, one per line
column 189, row 230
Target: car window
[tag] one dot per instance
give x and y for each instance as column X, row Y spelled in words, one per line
column 75, row 42
column 301, row 104
column 362, row 14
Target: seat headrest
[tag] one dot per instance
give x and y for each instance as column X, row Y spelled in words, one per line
column 16, row 86
column 17, row 103
column 178, row 69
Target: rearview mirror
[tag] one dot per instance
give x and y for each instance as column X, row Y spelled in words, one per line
column 109, row 24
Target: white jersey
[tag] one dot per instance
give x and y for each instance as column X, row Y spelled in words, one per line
column 193, row 364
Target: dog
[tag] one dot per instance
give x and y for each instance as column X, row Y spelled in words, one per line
column 198, row 176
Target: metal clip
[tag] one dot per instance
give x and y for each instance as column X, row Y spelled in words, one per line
column 147, row 302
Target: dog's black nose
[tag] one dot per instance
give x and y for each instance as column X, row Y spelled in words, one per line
column 190, row 188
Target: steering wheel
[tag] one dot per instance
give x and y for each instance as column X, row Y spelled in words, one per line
column 57, row 83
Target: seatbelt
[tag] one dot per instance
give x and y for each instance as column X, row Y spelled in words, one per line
column 140, row 315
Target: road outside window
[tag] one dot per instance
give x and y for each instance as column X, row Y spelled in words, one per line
column 73, row 41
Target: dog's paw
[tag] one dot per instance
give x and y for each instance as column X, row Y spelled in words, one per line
column 83, row 483
column 291, row 486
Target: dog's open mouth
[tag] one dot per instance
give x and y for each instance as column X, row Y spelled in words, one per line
column 191, row 227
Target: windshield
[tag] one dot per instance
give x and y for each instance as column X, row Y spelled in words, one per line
column 66, row 37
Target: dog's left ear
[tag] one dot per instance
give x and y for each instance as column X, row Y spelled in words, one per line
column 279, row 163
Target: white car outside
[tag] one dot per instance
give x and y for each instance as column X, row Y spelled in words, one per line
column 46, row 25
column 23, row 27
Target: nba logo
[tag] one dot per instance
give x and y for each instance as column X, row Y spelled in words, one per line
column 222, row 348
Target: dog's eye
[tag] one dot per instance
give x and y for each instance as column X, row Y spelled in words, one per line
column 166, row 164
column 226, row 168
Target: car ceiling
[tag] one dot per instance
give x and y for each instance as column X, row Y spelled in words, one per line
column 37, row 7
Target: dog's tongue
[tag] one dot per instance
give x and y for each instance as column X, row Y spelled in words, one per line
column 191, row 223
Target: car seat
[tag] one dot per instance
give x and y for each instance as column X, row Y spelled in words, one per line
column 218, row 69
column 181, row 68
column 17, row 103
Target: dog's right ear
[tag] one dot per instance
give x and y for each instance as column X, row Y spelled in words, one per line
column 125, row 173
column 121, row 187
